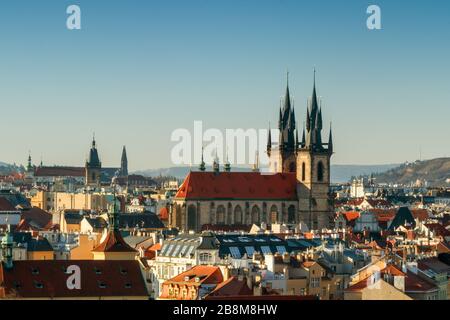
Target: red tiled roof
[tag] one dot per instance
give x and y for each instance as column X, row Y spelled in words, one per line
column 421, row 214
column 150, row 253
column 48, row 279
column 231, row 287
column 384, row 215
column 354, row 202
column 238, row 185
column 60, row 172
column 379, row 203
column 42, row 219
column 5, row 205
column 438, row 229
column 113, row 243
column 351, row 215
column 393, row 270
column 163, row 214
column 415, row 283
column 207, row 275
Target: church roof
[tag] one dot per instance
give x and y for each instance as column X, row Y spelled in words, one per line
column 48, row 279
column 113, row 242
column 402, row 218
column 238, row 185
column 57, row 171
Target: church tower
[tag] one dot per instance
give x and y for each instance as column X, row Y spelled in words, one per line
column 313, row 169
column 124, row 163
column 283, row 158
column 93, row 167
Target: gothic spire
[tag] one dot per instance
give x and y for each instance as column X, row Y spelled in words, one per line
column 269, row 140
column 303, row 137
column 202, row 164
column 216, row 163
column 330, row 141
column 227, row 166
column 124, row 163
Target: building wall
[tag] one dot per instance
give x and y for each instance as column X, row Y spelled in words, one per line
column 40, row 255
column 224, row 212
column 114, row 255
column 314, row 203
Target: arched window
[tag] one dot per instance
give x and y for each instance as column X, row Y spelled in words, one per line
column 192, row 218
column 303, row 171
column 205, row 257
column 220, row 214
column 320, row 171
column 273, row 214
column 255, row 214
column 238, row 214
column 291, row 214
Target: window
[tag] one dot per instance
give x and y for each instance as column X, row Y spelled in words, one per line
column 168, row 252
column 205, row 257
column 235, row 253
column 250, row 251
column 315, row 282
column 266, row 250
column 189, row 252
column 320, row 171
column 177, row 250
column 281, row 249
column 303, row 171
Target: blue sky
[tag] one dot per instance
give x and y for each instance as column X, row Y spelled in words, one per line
column 137, row 70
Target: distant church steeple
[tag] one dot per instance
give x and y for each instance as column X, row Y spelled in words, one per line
column 124, row 163
column 93, row 166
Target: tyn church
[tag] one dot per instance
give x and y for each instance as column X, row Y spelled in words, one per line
column 298, row 191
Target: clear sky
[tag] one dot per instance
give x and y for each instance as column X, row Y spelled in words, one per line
column 137, row 70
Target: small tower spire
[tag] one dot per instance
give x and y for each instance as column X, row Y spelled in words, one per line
column 269, row 140
column 216, row 167
column 256, row 164
column 330, row 141
column 303, row 137
column 227, row 166
column 202, row 164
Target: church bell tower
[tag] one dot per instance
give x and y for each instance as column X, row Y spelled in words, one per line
column 313, row 169
column 93, row 167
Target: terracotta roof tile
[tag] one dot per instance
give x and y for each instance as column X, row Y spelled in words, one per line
column 48, row 279
column 238, row 185
column 113, row 243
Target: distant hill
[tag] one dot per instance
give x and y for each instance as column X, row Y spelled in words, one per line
column 435, row 171
column 339, row 173
column 6, row 168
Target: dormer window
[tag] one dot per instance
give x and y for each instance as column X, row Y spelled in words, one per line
column 101, row 285
column 123, row 271
column 35, row 271
column 97, row 271
column 38, row 285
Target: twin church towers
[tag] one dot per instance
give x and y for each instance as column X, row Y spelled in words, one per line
column 308, row 158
